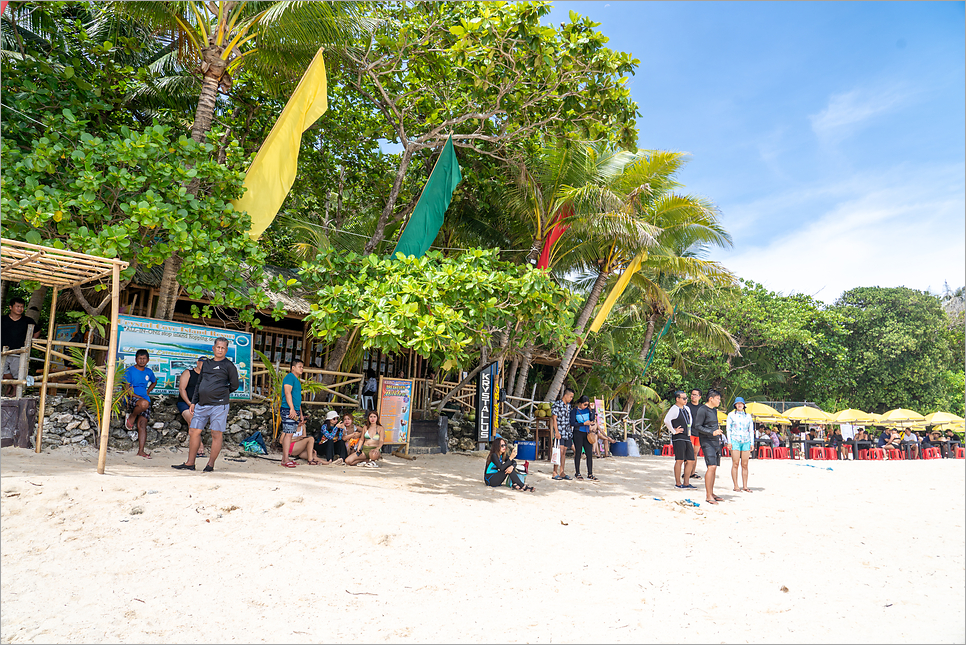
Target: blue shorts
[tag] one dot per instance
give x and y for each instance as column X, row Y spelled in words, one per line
column 741, row 446
column 216, row 415
column 290, row 425
column 182, row 406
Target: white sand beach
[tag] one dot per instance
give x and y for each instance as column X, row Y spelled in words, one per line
column 422, row 551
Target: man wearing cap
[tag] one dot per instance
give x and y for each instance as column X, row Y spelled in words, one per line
column 329, row 442
column 740, row 437
column 209, row 404
column 678, row 423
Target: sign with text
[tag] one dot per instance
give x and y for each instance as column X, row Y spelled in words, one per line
column 486, row 411
column 601, row 414
column 174, row 347
column 395, row 408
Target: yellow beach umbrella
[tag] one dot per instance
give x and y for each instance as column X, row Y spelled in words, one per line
column 722, row 417
column 782, row 421
column 937, row 418
column 756, row 409
column 805, row 414
column 854, row 416
column 901, row 416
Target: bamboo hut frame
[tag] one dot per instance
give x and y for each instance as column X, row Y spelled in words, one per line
column 60, row 269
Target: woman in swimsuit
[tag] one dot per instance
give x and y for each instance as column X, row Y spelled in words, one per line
column 370, row 451
column 303, row 446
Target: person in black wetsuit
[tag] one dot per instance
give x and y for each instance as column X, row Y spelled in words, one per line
column 706, row 425
column 499, row 467
column 187, row 383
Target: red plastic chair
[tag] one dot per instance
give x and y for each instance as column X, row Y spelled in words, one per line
column 863, row 455
column 725, row 451
column 667, row 450
column 930, row 453
column 960, row 453
column 876, row 454
column 817, row 453
column 895, row 454
column 831, row 453
column 764, row 452
column 780, row 453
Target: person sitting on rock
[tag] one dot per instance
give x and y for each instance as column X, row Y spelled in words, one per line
column 499, row 466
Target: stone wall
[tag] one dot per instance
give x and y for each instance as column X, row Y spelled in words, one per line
column 65, row 423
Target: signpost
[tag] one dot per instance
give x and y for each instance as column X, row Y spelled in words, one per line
column 395, row 409
column 174, row 347
column 486, row 403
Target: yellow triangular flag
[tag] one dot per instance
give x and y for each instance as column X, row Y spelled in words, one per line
column 273, row 172
column 616, row 292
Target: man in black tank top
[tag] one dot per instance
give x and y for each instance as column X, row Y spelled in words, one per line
column 186, row 389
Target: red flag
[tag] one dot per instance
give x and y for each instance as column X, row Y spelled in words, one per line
column 3, row 6
column 555, row 233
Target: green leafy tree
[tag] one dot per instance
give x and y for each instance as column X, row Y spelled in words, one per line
column 492, row 76
column 124, row 195
column 448, row 309
column 898, row 347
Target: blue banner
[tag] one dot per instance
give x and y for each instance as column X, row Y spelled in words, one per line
column 174, row 347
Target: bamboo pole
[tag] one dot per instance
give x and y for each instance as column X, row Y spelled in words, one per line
column 43, row 385
column 111, row 362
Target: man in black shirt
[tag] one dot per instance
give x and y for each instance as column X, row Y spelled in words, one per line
column 706, row 426
column 678, row 423
column 218, row 379
column 693, row 406
column 13, row 330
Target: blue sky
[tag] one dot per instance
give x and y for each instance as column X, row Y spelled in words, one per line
column 832, row 136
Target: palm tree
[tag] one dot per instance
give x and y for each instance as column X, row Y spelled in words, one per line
column 274, row 40
column 642, row 191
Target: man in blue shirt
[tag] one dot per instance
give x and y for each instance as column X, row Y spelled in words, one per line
column 141, row 380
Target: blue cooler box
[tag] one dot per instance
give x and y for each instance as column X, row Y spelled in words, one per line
column 619, row 449
column 527, row 450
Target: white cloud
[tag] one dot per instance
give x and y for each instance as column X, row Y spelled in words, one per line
column 848, row 111
column 902, row 229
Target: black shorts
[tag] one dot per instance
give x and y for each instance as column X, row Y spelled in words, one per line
column 712, row 453
column 567, row 443
column 683, row 450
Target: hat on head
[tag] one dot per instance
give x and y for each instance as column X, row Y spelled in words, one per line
column 739, row 399
column 332, row 415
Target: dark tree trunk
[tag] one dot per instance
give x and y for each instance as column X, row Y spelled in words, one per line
column 380, row 231
column 579, row 327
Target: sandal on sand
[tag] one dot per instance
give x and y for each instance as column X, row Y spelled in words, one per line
column 747, row 490
column 528, row 489
column 208, row 469
column 737, row 490
column 592, row 478
column 566, row 477
column 127, row 422
column 678, row 486
column 711, row 501
column 718, row 499
column 314, row 462
column 688, row 486
column 557, row 477
column 183, row 467
column 288, row 464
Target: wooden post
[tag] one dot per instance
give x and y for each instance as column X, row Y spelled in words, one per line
column 110, row 363
column 43, row 384
column 24, row 360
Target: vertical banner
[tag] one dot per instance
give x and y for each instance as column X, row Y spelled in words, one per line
column 174, row 347
column 601, row 412
column 486, row 410
column 395, row 408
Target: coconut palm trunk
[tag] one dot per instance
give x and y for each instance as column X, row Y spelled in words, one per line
column 526, row 359
column 579, row 328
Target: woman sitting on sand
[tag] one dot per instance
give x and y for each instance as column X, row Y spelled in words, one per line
column 303, row 446
column 499, row 466
column 369, row 450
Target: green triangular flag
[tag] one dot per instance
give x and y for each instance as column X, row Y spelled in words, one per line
column 427, row 217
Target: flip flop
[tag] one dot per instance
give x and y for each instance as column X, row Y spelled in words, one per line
column 566, row 477
column 711, row 501
column 127, row 423
column 288, row 464
column 689, row 486
column 718, row 499
column 747, row 490
column 145, row 456
column 678, row 486
column 557, row 478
